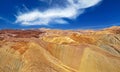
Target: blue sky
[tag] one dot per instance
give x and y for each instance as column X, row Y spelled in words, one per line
column 59, row 14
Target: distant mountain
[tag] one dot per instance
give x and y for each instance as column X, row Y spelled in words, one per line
column 47, row 50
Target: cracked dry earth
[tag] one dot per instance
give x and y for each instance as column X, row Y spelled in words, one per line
column 46, row 50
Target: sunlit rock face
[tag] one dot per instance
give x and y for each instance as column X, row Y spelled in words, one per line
column 46, row 50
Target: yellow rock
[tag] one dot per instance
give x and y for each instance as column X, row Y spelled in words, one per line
column 60, row 50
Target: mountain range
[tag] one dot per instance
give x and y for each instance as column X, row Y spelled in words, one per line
column 53, row 50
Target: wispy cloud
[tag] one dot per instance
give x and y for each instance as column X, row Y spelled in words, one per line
column 72, row 10
column 6, row 20
column 1, row 18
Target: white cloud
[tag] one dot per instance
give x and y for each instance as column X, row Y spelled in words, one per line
column 72, row 10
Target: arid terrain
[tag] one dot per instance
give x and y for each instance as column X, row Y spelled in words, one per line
column 47, row 50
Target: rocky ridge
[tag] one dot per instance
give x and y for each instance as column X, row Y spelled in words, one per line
column 46, row 50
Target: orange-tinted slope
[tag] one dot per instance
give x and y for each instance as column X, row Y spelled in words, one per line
column 46, row 50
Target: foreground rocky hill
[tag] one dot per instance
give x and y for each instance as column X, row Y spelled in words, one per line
column 46, row 50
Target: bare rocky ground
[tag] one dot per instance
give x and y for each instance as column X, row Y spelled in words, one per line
column 47, row 50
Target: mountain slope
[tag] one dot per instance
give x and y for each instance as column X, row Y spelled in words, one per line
column 46, row 50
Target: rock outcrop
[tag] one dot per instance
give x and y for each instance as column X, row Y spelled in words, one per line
column 46, row 50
